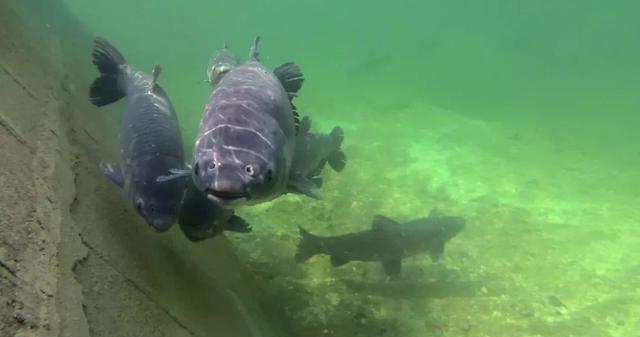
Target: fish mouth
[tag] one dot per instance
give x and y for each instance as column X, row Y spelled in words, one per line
column 226, row 197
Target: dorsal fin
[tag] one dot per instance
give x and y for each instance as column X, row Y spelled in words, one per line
column 381, row 222
column 156, row 73
column 253, row 54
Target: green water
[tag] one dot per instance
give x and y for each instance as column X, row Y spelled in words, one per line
column 520, row 116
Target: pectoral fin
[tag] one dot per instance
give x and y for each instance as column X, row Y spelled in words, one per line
column 290, row 77
column 113, row 173
column 238, row 225
column 174, row 174
column 298, row 184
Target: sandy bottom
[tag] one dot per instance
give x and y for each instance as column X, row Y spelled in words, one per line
column 550, row 247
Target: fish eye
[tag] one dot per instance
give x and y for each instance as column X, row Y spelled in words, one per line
column 211, row 166
column 250, row 170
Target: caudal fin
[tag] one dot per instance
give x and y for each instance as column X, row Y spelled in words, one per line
column 337, row 159
column 307, row 247
column 106, row 89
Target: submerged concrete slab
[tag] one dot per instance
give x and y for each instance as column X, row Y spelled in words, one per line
column 74, row 259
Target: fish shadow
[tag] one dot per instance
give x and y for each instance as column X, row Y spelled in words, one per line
column 410, row 289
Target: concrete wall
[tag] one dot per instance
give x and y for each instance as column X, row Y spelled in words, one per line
column 74, row 260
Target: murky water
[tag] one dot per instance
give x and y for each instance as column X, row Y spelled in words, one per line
column 520, row 117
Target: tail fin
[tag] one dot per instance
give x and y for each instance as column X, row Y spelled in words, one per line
column 307, row 247
column 337, row 159
column 105, row 89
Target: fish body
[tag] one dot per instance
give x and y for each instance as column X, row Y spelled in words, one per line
column 200, row 218
column 246, row 138
column 313, row 150
column 387, row 241
column 150, row 139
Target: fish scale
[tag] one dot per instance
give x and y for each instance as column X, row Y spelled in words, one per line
column 264, row 118
column 151, row 131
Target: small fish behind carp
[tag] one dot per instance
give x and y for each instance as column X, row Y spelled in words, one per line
column 313, row 151
column 387, row 241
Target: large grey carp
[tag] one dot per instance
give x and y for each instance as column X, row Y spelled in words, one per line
column 313, row 149
column 246, row 138
column 150, row 139
column 200, row 218
column 387, row 241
